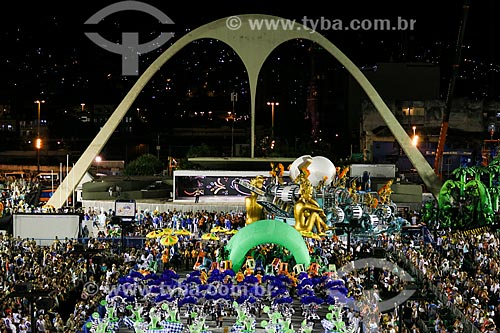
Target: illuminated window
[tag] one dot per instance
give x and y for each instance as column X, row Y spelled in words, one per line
column 413, row 111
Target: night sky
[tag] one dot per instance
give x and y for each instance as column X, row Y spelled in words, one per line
column 48, row 38
column 45, row 54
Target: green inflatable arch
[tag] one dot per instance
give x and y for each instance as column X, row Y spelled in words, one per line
column 267, row 231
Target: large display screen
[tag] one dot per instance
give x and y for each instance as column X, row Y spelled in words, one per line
column 125, row 208
column 186, row 186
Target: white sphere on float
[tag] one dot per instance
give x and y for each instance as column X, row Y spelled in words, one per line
column 294, row 167
column 320, row 169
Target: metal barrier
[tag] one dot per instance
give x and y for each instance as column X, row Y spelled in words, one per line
column 422, row 326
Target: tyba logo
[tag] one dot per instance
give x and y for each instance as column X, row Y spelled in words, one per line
column 384, row 265
column 130, row 47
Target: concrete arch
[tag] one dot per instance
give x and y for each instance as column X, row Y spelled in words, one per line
column 253, row 46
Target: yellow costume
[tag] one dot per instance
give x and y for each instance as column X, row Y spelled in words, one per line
column 277, row 172
column 203, row 277
column 385, row 192
column 342, row 177
column 353, row 192
column 240, row 277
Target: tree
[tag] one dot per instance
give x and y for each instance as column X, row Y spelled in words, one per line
column 145, row 165
column 199, row 151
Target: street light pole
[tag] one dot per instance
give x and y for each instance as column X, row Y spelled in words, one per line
column 38, row 146
column 415, row 137
column 158, row 146
column 272, row 116
column 234, row 99
column 38, row 141
column 98, row 159
column 232, row 138
column 231, row 117
column 38, row 102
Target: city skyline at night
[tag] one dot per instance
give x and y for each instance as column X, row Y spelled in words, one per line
column 49, row 57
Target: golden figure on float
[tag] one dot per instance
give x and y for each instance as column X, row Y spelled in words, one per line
column 308, row 214
column 255, row 211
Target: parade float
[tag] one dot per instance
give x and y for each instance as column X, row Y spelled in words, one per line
column 335, row 202
column 468, row 201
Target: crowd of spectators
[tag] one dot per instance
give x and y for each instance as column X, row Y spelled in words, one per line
column 58, row 271
column 197, row 222
column 17, row 195
column 464, row 267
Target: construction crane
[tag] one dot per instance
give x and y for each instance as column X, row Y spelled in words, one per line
column 451, row 88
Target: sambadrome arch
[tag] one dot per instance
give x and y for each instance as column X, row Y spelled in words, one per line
column 253, row 47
